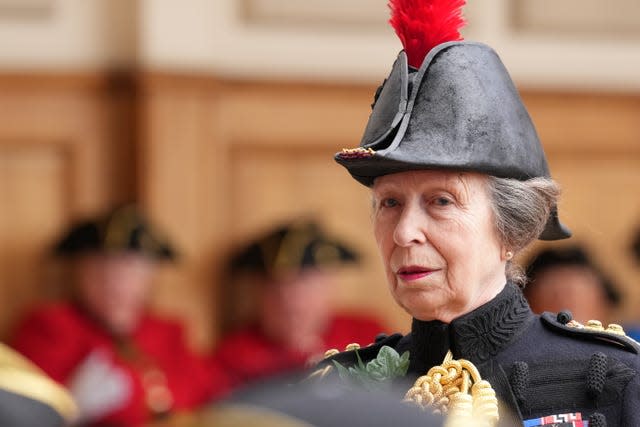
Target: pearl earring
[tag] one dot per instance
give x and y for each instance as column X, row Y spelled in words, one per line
column 508, row 255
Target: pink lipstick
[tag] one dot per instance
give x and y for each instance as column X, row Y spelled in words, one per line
column 413, row 272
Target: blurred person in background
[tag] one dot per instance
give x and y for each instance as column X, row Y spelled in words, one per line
column 633, row 329
column 567, row 279
column 635, row 247
column 290, row 270
column 123, row 365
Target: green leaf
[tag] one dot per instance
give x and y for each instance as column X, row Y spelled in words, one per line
column 360, row 362
column 342, row 371
column 377, row 373
column 384, row 364
column 389, row 364
column 403, row 366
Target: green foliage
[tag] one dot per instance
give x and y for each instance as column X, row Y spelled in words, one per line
column 377, row 373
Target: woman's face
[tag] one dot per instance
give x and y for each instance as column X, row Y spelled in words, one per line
column 435, row 231
column 115, row 288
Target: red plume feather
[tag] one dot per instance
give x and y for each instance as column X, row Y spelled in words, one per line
column 424, row 24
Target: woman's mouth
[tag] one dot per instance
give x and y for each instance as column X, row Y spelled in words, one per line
column 412, row 272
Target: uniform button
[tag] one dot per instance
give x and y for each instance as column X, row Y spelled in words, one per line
column 564, row 317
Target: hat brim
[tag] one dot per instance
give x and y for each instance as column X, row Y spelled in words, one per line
column 366, row 169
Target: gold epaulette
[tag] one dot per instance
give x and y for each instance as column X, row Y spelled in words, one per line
column 596, row 325
column 20, row 376
column 593, row 329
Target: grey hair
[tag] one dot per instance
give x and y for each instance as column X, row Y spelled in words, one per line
column 521, row 210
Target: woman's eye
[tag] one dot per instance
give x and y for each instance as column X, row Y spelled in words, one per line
column 442, row 201
column 389, row 203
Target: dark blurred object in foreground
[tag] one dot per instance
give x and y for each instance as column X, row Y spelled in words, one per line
column 28, row 398
column 324, row 404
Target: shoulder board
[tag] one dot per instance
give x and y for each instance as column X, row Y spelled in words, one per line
column 613, row 335
column 370, row 352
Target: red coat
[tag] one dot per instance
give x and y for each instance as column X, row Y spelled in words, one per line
column 58, row 338
column 248, row 355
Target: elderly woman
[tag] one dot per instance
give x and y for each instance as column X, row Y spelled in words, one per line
column 460, row 185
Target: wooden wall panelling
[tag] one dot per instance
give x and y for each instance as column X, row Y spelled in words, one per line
column 226, row 159
column 220, row 160
column 182, row 187
column 59, row 158
column 285, row 158
column 33, row 189
column 593, row 145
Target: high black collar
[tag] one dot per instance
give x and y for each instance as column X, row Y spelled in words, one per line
column 475, row 336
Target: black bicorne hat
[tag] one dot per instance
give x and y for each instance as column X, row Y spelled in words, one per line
column 291, row 247
column 123, row 229
column 459, row 111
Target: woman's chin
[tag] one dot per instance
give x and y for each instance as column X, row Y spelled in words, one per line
column 419, row 313
column 420, row 310
column 426, row 304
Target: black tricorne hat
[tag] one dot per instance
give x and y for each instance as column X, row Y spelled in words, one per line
column 123, row 229
column 571, row 256
column 459, row 111
column 291, row 247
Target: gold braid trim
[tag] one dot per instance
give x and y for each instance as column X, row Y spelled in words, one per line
column 455, row 388
column 20, row 376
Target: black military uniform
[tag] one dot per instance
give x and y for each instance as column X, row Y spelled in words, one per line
column 540, row 366
column 453, row 106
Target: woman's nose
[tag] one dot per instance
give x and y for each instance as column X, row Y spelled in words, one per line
column 410, row 228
